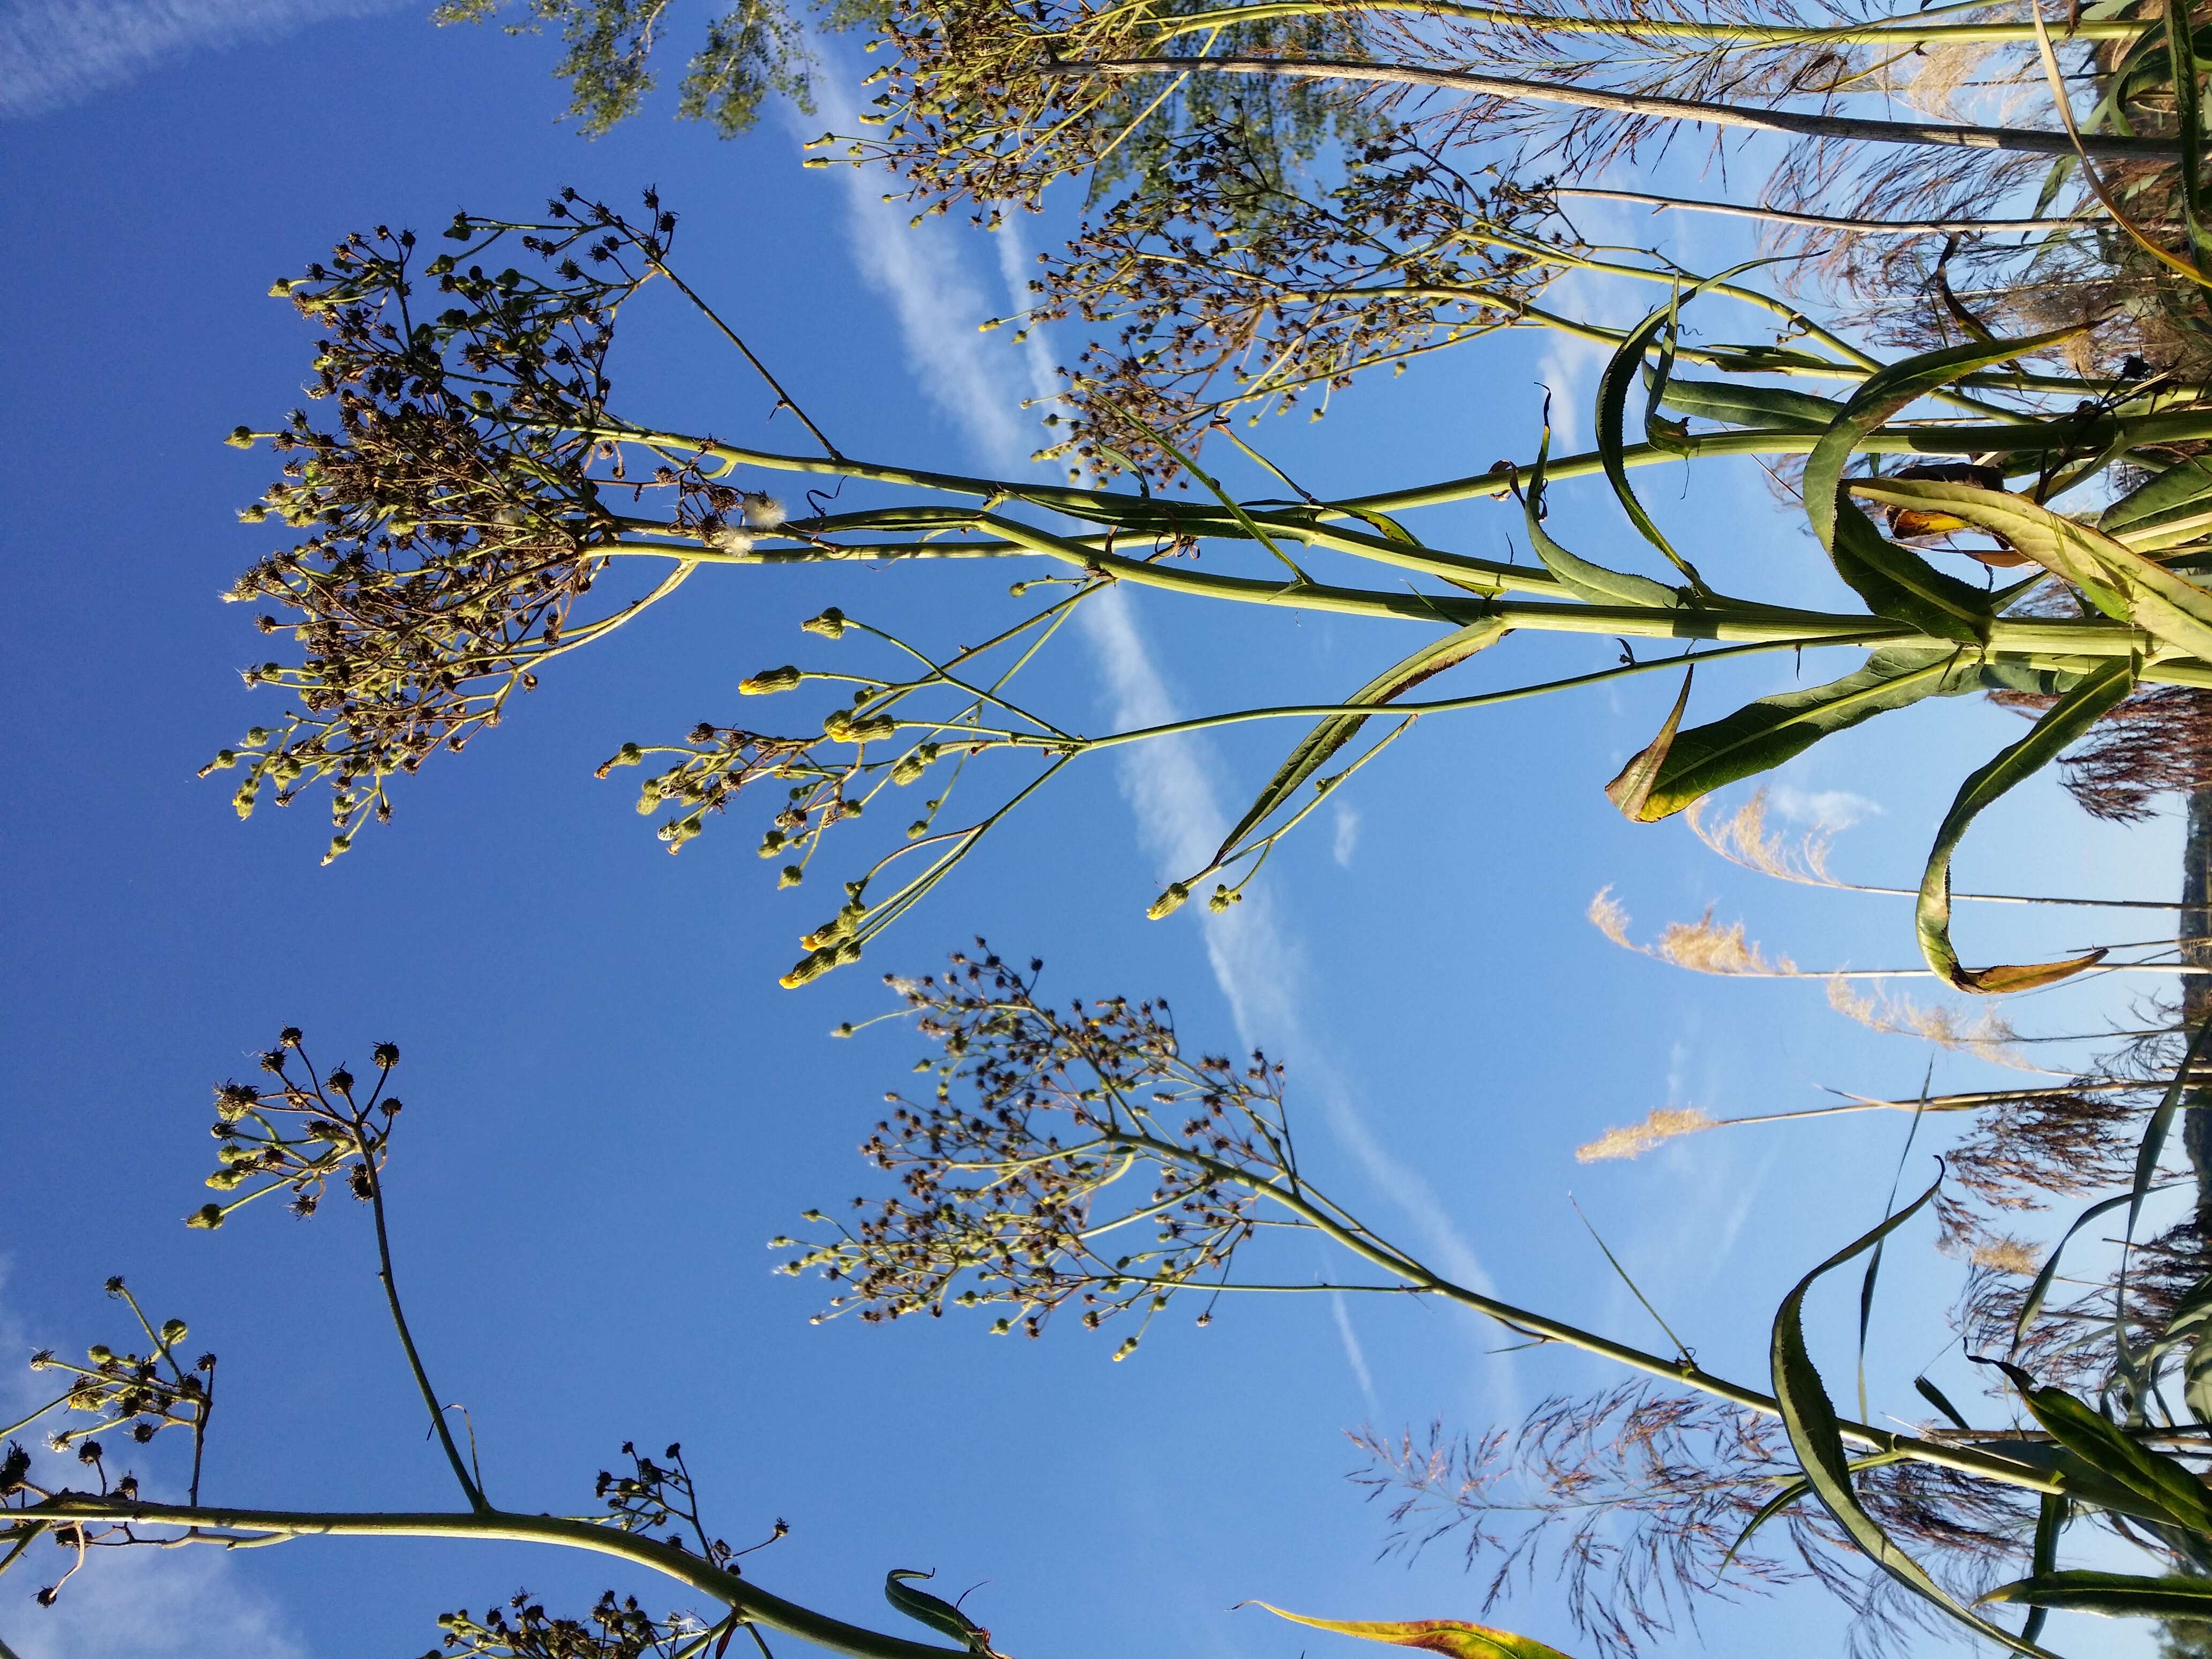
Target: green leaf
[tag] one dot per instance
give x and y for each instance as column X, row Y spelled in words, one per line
column 2049, row 1521
column 1334, row 731
column 2118, row 1594
column 1632, row 789
column 1452, row 1637
column 1883, row 394
column 2174, row 507
column 1762, row 735
column 1774, row 1506
column 1577, row 574
column 2073, row 715
column 1751, row 405
column 933, row 1611
column 1809, row 1418
column 2166, row 1483
column 2120, row 582
column 1896, row 582
column 2152, row 1147
column 1620, row 373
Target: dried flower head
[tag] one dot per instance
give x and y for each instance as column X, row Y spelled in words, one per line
column 1072, row 1160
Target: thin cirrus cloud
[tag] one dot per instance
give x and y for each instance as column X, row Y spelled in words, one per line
column 1255, row 957
column 54, row 53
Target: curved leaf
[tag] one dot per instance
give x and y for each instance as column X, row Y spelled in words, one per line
column 1751, row 405
column 2073, row 715
column 1334, row 731
column 1896, row 582
column 1620, row 373
column 2119, row 1594
column 1577, row 574
column 1809, row 1418
column 1452, row 1637
column 1632, row 789
column 1762, row 735
column 2166, row 1485
column 2170, row 507
column 2040, row 1290
column 2119, row 580
column 1880, row 396
column 934, row 1611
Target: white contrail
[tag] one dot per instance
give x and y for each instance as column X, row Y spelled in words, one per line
column 54, row 53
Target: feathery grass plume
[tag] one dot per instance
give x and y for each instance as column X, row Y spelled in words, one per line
column 1984, row 1032
column 1703, row 947
column 1636, row 1498
column 1665, row 1123
column 1743, row 838
column 2004, row 1254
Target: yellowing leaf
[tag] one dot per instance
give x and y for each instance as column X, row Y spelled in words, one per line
column 1453, row 1637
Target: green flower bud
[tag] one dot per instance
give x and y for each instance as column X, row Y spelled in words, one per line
column 830, row 624
column 771, row 843
column 175, row 1331
column 241, row 437
column 791, row 875
column 208, row 1215
column 1169, row 901
column 770, row 679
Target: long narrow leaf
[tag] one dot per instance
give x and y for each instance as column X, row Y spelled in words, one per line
column 2169, row 1487
column 1762, row 735
column 2067, row 719
column 1880, row 396
column 2116, row 578
column 1631, row 788
column 1584, row 579
column 2049, row 1521
column 1896, row 582
column 1750, row 405
column 1809, row 1418
column 1454, row 1637
column 1334, row 731
column 2116, row 1593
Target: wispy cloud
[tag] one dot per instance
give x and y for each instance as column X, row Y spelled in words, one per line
column 1346, row 840
column 1253, row 954
column 54, row 53
column 1354, row 1355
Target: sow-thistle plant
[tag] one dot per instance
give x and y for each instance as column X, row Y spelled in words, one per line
column 649, row 1511
column 477, row 507
column 1078, row 1159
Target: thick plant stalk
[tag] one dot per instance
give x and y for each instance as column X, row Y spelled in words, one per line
column 1940, row 135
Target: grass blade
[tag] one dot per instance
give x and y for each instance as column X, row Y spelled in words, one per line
column 1334, row 731
column 1809, row 1417
column 2118, row 1593
column 2073, row 715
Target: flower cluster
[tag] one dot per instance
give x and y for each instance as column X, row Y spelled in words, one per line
column 458, row 509
column 1240, row 289
column 1063, row 1160
column 139, row 1394
column 523, row 1629
column 300, row 1132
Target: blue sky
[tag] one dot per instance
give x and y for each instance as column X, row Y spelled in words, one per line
column 612, row 1106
